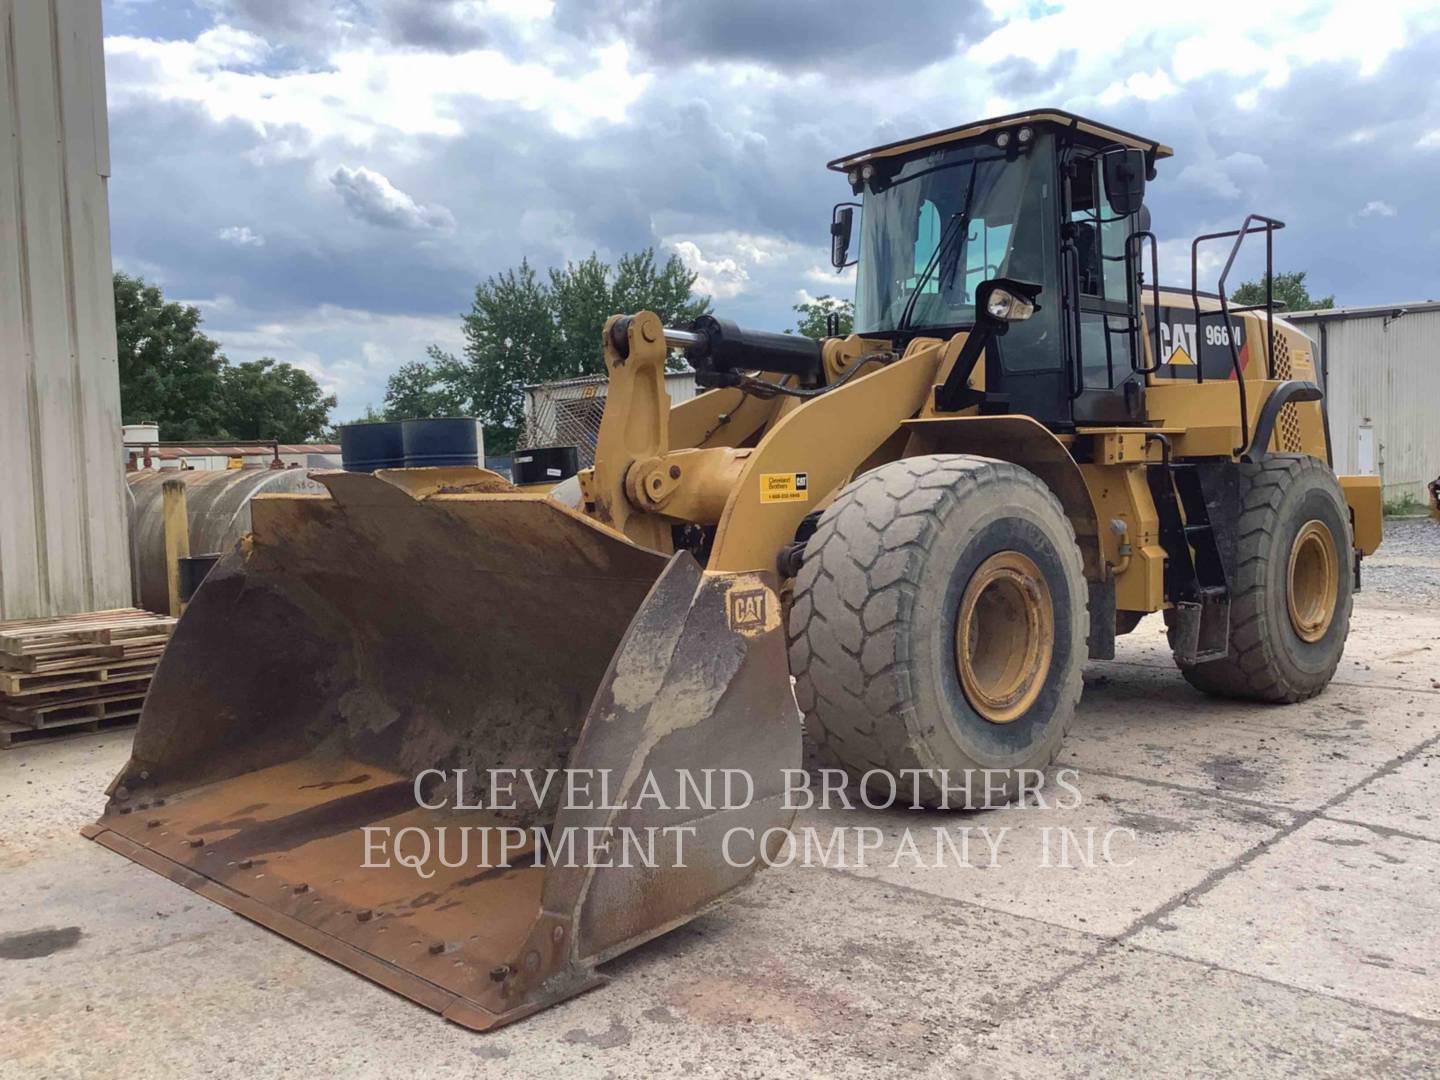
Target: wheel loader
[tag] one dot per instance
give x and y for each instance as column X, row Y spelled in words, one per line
column 926, row 526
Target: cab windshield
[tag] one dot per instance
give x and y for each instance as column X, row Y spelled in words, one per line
column 942, row 224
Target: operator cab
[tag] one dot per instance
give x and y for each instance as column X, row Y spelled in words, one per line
column 1043, row 199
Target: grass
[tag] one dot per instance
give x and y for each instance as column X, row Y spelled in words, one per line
column 1405, row 506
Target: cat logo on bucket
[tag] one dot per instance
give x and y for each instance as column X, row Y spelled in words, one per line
column 747, row 609
column 784, row 487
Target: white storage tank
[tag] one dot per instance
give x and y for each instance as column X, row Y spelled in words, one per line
column 217, row 504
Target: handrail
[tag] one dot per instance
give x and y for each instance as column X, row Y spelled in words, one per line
column 1138, row 239
column 1267, row 225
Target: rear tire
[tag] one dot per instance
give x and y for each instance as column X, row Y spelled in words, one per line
column 1291, row 585
column 939, row 625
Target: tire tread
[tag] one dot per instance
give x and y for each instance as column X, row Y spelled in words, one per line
column 863, row 557
column 1251, row 670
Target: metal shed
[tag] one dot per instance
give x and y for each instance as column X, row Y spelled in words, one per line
column 62, row 527
column 1381, row 365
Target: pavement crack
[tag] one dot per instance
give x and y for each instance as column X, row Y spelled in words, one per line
column 1250, row 854
column 1187, row 789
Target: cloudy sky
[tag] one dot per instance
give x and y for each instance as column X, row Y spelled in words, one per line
column 329, row 180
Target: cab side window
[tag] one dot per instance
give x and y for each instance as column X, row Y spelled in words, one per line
column 1086, row 229
column 1099, row 239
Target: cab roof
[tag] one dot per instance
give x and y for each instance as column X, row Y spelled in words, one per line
column 1153, row 149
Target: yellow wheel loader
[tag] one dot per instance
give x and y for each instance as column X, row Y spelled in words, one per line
column 928, row 525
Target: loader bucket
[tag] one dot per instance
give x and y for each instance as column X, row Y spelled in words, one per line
column 300, row 745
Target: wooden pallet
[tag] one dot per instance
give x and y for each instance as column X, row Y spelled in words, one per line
column 77, row 673
column 70, row 710
column 101, row 672
column 13, row 734
column 51, row 644
column 94, row 656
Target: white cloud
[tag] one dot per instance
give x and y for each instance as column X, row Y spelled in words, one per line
column 720, row 277
column 370, row 196
column 364, row 92
column 1228, row 177
column 1264, row 43
column 732, row 264
column 1377, row 208
column 241, row 236
column 1144, row 85
column 350, row 352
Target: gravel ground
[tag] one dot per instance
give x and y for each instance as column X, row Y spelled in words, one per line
column 1406, row 568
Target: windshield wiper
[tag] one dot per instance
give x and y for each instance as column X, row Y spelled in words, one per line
column 958, row 225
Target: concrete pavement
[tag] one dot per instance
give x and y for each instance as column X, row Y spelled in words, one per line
column 1272, row 909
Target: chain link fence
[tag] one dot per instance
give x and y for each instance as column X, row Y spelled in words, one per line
column 565, row 414
column 568, row 413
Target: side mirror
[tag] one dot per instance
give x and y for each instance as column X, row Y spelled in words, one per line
column 842, row 224
column 1124, row 180
column 1001, row 301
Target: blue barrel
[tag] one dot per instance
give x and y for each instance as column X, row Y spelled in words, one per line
column 445, row 440
column 370, row 446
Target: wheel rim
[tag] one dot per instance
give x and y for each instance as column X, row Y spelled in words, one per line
column 1004, row 636
column 1314, row 580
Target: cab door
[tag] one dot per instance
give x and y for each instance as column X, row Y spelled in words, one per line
column 1101, row 304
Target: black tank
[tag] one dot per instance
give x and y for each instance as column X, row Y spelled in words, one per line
column 544, row 464
column 370, row 446
column 449, row 440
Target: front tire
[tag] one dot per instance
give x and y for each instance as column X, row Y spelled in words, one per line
column 1290, row 587
column 939, row 625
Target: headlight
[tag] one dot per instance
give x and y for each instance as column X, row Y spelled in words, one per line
column 1002, row 140
column 854, row 177
column 1025, row 134
column 1007, row 307
column 867, row 171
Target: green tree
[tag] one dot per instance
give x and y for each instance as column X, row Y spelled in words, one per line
column 171, row 373
column 1289, row 290
column 522, row 329
column 169, row 370
column 814, row 315
column 267, row 399
column 419, row 389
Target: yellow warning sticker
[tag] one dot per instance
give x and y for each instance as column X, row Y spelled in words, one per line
column 784, row 487
column 1180, row 356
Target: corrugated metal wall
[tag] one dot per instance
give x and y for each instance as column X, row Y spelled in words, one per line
column 63, row 541
column 1384, row 371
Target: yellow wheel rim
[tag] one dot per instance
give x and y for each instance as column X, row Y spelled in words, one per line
column 1004, row 636
column 1314, row 580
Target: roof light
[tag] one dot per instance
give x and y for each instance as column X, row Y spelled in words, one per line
column 854, row 177
column 867, row 171
column 1002, row 140
column 1024, row 135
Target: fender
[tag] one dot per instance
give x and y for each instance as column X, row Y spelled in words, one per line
column 824, row 441
column 1282, row 395
column 1029, row 444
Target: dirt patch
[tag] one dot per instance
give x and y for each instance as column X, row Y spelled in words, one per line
column 33, row 944
column 617, row 1034
column 1233, row 774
